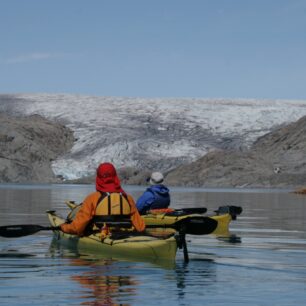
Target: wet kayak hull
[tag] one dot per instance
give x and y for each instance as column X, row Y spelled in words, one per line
column 138, row 246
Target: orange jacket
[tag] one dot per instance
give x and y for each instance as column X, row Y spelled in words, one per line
column 87, row 212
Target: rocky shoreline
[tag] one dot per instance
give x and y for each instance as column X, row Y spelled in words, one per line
column 30, row 144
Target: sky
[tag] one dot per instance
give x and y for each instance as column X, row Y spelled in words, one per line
column 154, row 48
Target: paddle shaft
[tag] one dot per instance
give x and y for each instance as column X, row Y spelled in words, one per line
column 192, row 225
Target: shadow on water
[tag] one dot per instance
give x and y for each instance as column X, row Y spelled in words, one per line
column 231, row 238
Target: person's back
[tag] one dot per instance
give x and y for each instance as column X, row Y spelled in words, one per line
column 107, row 182
column 156, row 196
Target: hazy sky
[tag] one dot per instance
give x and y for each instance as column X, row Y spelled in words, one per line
column 154, row 48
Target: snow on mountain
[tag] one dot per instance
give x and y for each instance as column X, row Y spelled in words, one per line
column 155, row 133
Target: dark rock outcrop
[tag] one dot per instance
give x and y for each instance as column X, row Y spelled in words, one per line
column 277, row 159
column 28, row 145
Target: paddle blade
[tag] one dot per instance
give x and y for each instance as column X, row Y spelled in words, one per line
column 187, row 211
column 14, row 231
column 192, row 210
column 199, row 225
column 230, row 209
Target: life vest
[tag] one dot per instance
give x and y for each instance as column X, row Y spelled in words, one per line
column 111, row 204
column 111, row 207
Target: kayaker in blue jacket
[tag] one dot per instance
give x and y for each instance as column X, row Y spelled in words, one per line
column 156, row 196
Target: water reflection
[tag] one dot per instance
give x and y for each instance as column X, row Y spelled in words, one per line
column 108, row 282
column 100, row 284
column 112, row 281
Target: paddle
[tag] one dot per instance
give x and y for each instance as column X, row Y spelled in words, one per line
column 14, row 231
column 229, row 209
column 192, row 210
column 182, row 237
column 192, row 225
column 188, row 210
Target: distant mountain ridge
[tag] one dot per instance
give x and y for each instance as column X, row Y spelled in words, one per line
column 141, row 135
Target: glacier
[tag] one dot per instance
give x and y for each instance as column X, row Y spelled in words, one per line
column 151, row 133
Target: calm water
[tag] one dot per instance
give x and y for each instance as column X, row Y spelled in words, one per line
column 267, row 266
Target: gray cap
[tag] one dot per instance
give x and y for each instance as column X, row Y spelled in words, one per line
column 156, row 178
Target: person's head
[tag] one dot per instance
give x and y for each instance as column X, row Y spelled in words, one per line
column 106, row 172
column 107, row 179
column 156, row 178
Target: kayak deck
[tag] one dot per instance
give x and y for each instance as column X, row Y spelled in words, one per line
column 136, row 246
column 223, row 216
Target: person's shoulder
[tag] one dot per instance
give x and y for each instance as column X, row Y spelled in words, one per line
column 165, row 187
column 157, row 187
column 128, row 195
column 160, row 188
column 93, row 195
column 130, row 198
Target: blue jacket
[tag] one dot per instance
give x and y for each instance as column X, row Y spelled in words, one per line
column 156, row 196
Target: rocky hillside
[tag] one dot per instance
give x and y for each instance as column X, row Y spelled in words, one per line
column 28, row 145
column 151, row 133
column 277, row 159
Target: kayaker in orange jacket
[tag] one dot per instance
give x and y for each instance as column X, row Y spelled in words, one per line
column 107, row 181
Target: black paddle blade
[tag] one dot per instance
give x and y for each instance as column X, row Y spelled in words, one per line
column 187, row 211
column 14, row 231
column 197, row 225
column 195, row 210
column 230, row 209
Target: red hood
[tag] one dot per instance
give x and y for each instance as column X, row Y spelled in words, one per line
column 107, row 179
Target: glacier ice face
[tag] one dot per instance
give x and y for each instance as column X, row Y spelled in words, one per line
column 151, row 133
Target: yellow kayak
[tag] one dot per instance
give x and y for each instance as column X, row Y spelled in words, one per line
column 130, row 245
column 199, row 224
column 224, row 215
